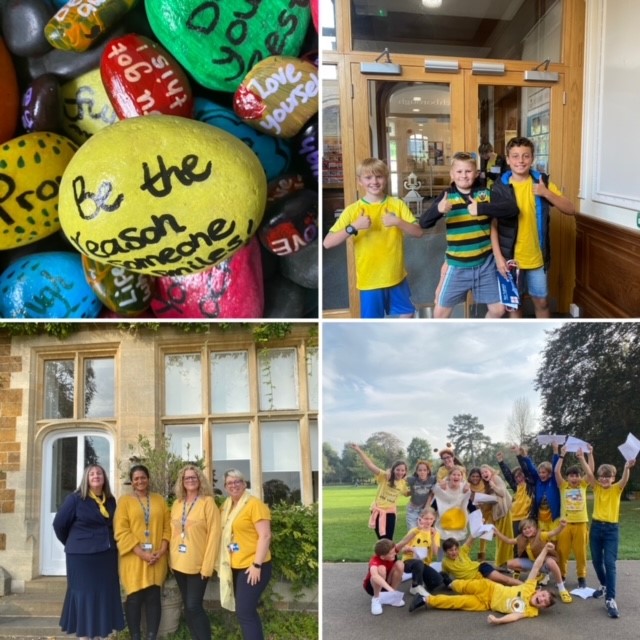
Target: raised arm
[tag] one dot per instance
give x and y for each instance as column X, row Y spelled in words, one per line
column 506, row 472
column 502, row 537
column 558, row 529
column 366, row 460
column 558, row 468
column 591, row 479
column 626, row 473
column 537, row 565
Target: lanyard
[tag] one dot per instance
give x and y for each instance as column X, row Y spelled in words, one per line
column 147, row 515
column 185, row 513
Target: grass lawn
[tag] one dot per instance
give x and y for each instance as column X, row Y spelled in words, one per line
column 346, row 536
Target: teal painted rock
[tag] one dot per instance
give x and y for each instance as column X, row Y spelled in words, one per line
column 125, row 293
column 31, row 168
column 189, row 197
column 47, row 285
column 86, row 108
column 219, row 42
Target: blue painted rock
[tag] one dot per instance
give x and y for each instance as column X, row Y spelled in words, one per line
column 123, row 292
column 301, row 267
column 10, row 95
column 278, row 95
column 274, row 153
column 80, row 23
column 31, row 168
column 47, row 285
column 232, row 289
column 306, row 146
column 23, row 23
column 291, row 224
column 141, row 78
column 86, row 108
column 219, row 42
column 191, row 198
column 42, row 105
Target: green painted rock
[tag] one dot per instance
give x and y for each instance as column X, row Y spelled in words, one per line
column 31, row 169
column 219, row 42
column 189, row 196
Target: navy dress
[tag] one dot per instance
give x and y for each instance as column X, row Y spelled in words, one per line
column 92, row 605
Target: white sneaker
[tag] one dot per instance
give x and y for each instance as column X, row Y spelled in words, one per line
column 376, row 606
column 418, row 589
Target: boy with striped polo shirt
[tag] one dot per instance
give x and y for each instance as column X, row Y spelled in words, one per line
column 470, row 265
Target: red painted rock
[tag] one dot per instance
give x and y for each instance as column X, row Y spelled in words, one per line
column 10, row 95
column 232, row 289
column 80, row 23
column 140, row 78
column 123, row 292
column 278, row 96
column 291, row 224
column 314, row 13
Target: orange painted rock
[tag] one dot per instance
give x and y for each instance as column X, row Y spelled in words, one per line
column 10, row 102
column 278, row 96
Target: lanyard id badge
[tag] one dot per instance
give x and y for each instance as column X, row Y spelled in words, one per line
column 182, row 547
column 146, row 545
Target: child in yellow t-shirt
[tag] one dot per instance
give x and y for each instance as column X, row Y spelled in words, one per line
column 605, row 532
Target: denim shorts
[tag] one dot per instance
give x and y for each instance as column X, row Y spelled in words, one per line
column 481, row 280
column 390, row 301
column 533, row 282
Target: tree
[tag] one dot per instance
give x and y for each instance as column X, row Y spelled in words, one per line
column 521, row 422
column 352, row 467
column 384, row 449
column 418, row 449
column 331, row 464
column 466, row 435
column 588, row 382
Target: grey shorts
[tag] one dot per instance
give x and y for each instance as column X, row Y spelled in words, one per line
column 482, row 281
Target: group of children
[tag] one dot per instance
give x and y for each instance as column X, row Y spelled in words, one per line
column 547, row 521
column 487, row 231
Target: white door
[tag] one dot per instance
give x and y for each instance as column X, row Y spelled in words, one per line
column 65, row 457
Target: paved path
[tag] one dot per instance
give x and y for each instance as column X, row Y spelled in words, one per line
column 346, row 613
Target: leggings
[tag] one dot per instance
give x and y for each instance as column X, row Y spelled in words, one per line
column 150, row 598
column 192, row 588
column 391, row 525
column 247, row 598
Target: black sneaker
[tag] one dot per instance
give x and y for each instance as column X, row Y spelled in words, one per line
column 446, row 580
column 416, row 603
column 582, row 583
column 612, row 608
column 602, row 591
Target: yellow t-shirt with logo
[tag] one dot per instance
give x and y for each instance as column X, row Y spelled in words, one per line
column 527, row 252
column 573, row 502
column 387, row 495
column 514, row 599
column 379, row 250
column 421, row 539
column 606, row 503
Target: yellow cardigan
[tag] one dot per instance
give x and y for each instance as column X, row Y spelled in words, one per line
column 129, row 528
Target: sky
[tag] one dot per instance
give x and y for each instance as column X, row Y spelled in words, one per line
column 411, row 378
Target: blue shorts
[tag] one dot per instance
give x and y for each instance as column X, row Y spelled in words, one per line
column 390, row 301
column 533, row 282
column 481, row 280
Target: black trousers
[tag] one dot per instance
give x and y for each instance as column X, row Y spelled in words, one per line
column 192, row 588
column 150, row 598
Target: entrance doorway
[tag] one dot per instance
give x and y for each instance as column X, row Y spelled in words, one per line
column 65, row 457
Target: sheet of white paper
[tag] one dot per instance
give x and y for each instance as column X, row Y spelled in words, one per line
column 630, row 447
column 585, row 592
column 484, row 498
column 406, row 576
column 437, row 566
column 477, row 527
column 391, row 597
column 574, row 444
column 550, row 439
column 419, row 552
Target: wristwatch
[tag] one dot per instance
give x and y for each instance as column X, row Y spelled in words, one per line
column 351, row 230
column 257, row 566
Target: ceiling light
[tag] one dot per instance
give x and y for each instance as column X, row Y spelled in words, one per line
column 432, row 4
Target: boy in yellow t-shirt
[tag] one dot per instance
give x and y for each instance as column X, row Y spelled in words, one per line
column 605, row 532
column 526, row 238
column 517, row 602
column 377, row 223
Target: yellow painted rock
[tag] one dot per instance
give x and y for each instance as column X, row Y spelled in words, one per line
column 86, row 108
column 31, row 169
column 162, row 195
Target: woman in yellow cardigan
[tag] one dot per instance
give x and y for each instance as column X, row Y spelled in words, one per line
column 142, row 532
column 195, row 541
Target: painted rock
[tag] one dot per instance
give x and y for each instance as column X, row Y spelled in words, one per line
column 278, row 95
column 284, row 299
column 284, row 186
column 42, row 105
column 191, row 198
column 231, row 289
column 10, row 102
column 274, row 153
column 291, row 223
column 314, row 14
column 301, row 267
column 123, row 292
column 141, row 78
column 47, row 285
column 86, row 108
column 23, row 23
column 31, row 168
column 306, row 147
column 219, row 42
column 80, row 23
